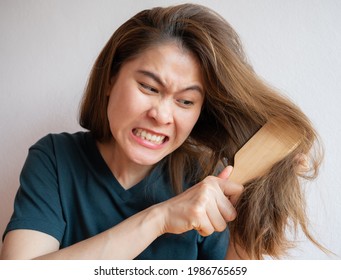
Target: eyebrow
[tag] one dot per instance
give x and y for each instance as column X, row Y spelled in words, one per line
column 158, row 80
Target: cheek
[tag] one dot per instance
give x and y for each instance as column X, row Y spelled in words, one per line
column 122, row 101
column 187, row 122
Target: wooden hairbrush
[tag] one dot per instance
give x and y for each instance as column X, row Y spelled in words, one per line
column 270, row 144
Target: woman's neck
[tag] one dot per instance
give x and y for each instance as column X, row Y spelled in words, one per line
column 126, row 172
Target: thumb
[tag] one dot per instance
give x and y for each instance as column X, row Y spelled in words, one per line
column 225, row 173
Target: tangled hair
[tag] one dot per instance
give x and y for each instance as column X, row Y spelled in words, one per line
column 237, row 103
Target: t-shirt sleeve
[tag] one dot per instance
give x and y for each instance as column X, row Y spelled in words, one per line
column 37, row 204
column 214, row 246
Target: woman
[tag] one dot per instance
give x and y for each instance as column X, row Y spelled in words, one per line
column 170, row 96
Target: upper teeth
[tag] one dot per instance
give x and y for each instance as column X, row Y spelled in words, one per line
column 157, row 139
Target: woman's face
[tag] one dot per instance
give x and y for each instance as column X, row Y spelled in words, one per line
column 154, row 103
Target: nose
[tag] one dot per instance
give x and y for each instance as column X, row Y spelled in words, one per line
column 162, row 112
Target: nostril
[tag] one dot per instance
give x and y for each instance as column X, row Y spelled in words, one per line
column 161, row 114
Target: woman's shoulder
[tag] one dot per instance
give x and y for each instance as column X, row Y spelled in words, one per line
column 63, row 139
column 64, row 145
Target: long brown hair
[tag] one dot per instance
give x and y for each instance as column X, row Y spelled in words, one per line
column 237, row 103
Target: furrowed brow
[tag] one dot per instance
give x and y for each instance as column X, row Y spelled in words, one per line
column 153, row 76
column 195, row 88
column 158, row 80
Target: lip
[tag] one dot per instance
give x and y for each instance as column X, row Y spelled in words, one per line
column 149, row 144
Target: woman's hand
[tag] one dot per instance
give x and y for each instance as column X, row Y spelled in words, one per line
column 205, row 207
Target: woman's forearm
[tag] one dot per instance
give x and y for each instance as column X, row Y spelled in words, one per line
column 124, row 241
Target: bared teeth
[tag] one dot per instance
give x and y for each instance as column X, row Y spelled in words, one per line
column 145, row 135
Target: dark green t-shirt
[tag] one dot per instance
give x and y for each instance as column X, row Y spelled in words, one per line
column 68, row 191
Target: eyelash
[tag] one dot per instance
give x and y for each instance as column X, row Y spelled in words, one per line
column 148, row 88
column 182, row 102
column 185, row 102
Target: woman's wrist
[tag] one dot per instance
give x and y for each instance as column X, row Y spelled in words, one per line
column 155, row 220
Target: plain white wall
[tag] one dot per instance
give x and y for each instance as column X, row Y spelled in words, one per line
column 47, row 49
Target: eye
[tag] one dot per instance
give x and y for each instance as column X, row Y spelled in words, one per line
column 185, row 103
column 148, row 88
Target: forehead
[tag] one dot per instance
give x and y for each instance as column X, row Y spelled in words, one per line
column 169, row 61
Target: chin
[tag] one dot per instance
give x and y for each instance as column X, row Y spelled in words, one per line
column 146, row 161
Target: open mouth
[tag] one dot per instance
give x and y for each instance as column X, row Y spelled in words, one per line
column 151, row 137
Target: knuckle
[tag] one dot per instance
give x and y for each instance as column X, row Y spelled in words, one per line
column 206, row 231
column 208, row 184
column 209, row 180
column 204, row 195
column 221, row 227
column 231, row 215
column 209, row 231
column 197, row 212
